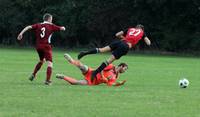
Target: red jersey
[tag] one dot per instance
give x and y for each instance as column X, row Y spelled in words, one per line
column 43, row 32
column 109, row 71
column 134, row 35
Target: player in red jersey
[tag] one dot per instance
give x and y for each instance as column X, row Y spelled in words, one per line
column 43, row 32
column 128, row 40
column 109, row 75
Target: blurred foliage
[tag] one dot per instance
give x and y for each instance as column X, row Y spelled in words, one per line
column 172, row 25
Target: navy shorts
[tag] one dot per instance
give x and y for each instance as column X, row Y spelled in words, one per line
column 119, row 48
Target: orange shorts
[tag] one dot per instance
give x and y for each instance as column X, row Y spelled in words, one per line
column 88, row 77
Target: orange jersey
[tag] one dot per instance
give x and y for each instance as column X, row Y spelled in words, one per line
column 109, row 71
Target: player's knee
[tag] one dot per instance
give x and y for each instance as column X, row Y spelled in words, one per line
column 50, row 64
column 84, row 68
column 101, row 50
column 104, row 49
column 111, row 59
column 42, row 61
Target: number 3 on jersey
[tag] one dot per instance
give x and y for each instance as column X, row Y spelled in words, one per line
column 134, row 32
column 42, row 34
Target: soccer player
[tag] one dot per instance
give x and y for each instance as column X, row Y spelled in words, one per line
column 108, row 76
column 129, row 39
column 43, row 32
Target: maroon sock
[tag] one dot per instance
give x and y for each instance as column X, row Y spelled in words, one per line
column 37, row 68
column 49, row 71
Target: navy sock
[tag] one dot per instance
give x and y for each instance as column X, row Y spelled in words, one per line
column 100, row 68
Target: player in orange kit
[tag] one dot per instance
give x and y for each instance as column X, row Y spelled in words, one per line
column 129, row 39
column 109, row 75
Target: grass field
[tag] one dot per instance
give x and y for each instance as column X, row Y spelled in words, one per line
column 151, row 89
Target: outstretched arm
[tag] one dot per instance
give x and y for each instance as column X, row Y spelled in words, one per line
column 20, row 36
column 119, row 83
column 62, row 28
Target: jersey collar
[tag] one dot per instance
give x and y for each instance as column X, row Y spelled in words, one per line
column 46, row 22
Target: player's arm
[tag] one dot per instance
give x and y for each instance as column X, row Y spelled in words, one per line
column 58, row 28
column 20, row 36
column 119, row 83
column 103, row 78
column 114, row 83
column 62, row 28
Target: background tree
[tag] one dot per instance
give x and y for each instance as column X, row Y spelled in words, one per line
column 173, row 25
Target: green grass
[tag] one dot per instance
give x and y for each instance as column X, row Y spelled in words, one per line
column 151, row 89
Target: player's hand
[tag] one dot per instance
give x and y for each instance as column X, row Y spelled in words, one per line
column 19, row 37
column 62, row 28
column 123, row 82
column 120, row 83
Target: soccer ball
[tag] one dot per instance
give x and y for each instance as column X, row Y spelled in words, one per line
column 183, row 83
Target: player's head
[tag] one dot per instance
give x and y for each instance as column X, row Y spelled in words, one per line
column 47, row 17
column 140, row 26
column 122, row 67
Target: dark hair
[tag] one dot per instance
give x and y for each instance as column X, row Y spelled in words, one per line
column 140, row 26
column 123, row 65
column 46, row 16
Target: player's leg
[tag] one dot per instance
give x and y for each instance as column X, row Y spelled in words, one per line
column 102, row 66
column 48, row 57
column 119, row 49
column 36, row 69
column 94, row 51
column 71, row 60
column 48, row 73
column 38, row 65
column 77, row 63
column 71, row 80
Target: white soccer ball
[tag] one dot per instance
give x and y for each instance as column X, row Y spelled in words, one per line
column 183, row 83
